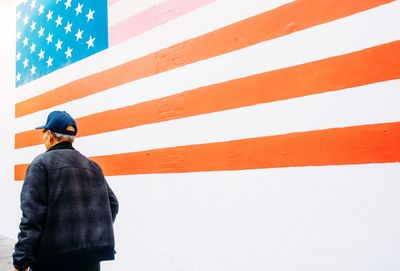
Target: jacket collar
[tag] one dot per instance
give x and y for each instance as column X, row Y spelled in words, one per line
column 62, row 145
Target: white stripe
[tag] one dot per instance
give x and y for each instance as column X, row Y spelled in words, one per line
column 334, row 173
column 176, row 31
column 123, row 9
column 375, row 103
column 336, row 38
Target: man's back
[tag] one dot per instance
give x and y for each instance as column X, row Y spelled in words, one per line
column 68, row 211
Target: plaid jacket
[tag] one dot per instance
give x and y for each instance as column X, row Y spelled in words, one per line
column 68, row 211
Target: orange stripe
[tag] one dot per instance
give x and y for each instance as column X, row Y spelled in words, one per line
column 289, row 18
column 19, row 171
column 372, row 65
column 378, row 143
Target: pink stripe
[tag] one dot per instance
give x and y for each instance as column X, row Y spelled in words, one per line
column 112, row 2
column 152, row 17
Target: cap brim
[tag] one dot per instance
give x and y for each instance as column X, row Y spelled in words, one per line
column 41, row 127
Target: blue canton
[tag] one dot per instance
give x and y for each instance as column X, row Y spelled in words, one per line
column 52, row 34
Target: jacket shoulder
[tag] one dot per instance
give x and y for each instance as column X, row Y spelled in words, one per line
column 95, row 165
column 40, row 160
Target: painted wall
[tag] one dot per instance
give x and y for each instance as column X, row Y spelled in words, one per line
column 9, row 190
column 237, row 136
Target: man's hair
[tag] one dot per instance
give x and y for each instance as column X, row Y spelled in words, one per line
column 62, row 137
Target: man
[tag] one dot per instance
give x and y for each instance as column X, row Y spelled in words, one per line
column 68, row 209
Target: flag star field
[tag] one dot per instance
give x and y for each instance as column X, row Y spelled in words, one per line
column 52, row 34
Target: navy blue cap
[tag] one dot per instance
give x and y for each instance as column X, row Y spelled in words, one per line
column 58, row 121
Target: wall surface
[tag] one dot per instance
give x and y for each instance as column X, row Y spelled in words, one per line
column 9, row 190
column 237, row 135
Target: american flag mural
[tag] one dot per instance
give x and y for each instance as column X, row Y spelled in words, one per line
column 258, row 77
column 272, row 95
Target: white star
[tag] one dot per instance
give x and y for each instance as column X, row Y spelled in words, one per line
column 33, row 70
column 18, row 77
column 41, row 9
column 33, row 25
column 68, row 53
column 41, row 31
column 79, row 9
column 18, row 14
column 18, row 56
column 33, row 4
column 25, row 20
column 49, row 15
column 49, row 62
column 19, row 35
column 67, row 4
column 26, row 62
column 33, row 47
column 90, row 42
column 78, row 34
column 41, row 54
column 68, row 28
column 25, row 42
column 49, row 38
column 58, row 21
column 90, row 15
column 59, row 45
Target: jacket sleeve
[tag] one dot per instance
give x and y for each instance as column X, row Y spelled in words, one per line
column 34, row 210
column 113, row 202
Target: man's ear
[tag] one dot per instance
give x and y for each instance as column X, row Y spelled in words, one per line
column 51, row 137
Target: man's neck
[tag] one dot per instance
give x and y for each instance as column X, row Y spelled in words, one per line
column 61, row 145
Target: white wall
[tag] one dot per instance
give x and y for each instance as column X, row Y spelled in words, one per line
column 341, row 218
column 306, row 218
column 9, row 190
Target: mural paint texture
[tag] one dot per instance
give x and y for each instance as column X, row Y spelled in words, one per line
column 245, row 89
